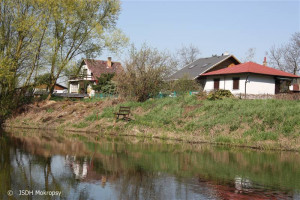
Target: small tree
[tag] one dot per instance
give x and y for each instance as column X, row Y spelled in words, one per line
column 144, row 74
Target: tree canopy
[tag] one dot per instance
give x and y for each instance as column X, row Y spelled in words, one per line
column 48, row 35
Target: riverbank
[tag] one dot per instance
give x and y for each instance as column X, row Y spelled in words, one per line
column 263, row 124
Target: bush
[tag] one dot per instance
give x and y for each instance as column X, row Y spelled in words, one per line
column 219, row 94
column 105, row 84
column 182, row 85
column 144, row 73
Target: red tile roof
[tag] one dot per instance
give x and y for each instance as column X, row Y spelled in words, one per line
column 251, row 67
column 99, row 67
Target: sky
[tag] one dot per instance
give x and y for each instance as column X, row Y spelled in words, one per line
column 214, row 27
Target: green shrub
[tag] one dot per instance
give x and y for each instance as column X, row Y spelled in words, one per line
column 219, row 94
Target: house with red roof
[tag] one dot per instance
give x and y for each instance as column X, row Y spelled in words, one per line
column 249, row 78
column 90, row 70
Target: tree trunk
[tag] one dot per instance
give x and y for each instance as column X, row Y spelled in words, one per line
column 51, row 90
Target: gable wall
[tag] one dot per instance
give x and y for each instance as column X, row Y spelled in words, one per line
column 224, row 64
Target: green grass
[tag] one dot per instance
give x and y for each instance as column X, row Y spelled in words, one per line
column 93, row 117
column 81, row 125
column 256, row 120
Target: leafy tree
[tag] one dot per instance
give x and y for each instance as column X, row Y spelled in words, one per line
column 22, row 40
column 81, row 28
column 105, row 84
column 42, row 79
column 50, row 35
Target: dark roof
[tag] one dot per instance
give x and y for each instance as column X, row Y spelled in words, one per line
column 61, row 86
column 200, row 66
column 99, row 67
column 251, row 67
column 44, row 86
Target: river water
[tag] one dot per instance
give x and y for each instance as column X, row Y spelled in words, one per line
column 47, row 165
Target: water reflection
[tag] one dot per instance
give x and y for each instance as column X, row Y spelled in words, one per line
column 91, row 167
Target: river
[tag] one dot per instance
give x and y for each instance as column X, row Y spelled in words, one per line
column 59, row 165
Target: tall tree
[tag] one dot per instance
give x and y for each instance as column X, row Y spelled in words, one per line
column 287, row 57
column 292, row 54
column 22, row 31
column 187, row 55
column 36, row 34
column 81, row 27
column 276, row 57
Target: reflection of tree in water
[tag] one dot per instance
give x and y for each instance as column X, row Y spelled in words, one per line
column 20, row 170
column 148, row 171
column 5, row 167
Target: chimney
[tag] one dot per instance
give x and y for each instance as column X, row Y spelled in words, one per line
column 108, row 62
column 265, row 61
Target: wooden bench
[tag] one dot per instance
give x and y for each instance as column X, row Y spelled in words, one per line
column 123, row 111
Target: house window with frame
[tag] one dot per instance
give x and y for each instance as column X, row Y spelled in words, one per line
column 236, row 83
column 216, row 83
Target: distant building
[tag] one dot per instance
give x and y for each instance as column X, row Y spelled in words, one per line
column 194, row 70
column 249, row 78
column 43, row 89
column 90, row 70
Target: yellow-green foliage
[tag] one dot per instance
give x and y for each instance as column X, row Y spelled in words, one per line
column 37, row 33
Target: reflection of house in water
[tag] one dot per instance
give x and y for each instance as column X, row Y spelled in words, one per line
column 80, row 170
column 84, row 170
column 244, row 189
column 243, row 185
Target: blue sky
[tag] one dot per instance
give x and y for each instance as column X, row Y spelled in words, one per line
column 213, row 26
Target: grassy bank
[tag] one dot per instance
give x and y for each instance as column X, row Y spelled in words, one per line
column 267, row 124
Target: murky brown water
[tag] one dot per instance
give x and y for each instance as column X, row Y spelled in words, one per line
column 74, row 166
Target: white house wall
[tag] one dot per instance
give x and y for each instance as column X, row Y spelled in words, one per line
column 257, row 84
column 89, row 73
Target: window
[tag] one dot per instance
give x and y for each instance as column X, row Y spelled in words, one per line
column 74, row 87
column 236, row 83
column 84, row 72
column 216, row 83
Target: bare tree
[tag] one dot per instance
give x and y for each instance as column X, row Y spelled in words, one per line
column 250, row 54
column 144, row 73
column 276, row 57
column 287, row 57
column 292, row 54
column 187, row 55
